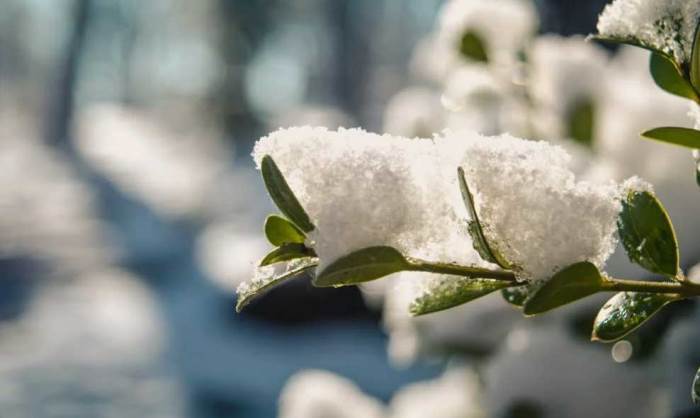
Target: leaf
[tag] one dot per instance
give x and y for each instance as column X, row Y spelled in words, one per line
column 695, row 392
column 474, row 227
column 453, row 291
column 626, row 41
column 282, row 195
column 581, row 122
column 268, row 277
column 361, row 266
column 287, row 252
column 647, row 234
column 517, row 296
column 669, row 77
column 684, row 137
column 625, row 312
column 472, row 47
column 695, row 60
column 280, row 231
column 568, row 285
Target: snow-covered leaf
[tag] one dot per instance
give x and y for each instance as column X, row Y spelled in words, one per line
column 568, row 285
column 479, row 241
column 287, row 252
column 625, row 41
column 280, row 231
column 269, row 276
column 625, row 312
column 454, row 291
column 685, row 137
column 669, row 77
column 283, row 196
column 647, row 234
column 361, row 266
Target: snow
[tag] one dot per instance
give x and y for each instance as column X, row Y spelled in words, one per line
column 362, row 189
column 666, row 25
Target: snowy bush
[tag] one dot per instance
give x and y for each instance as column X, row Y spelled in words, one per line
column 454, row 215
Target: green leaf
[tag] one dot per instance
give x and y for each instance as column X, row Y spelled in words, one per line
column 581, row 122
column 472, row 47
column 625, row 312
column 479, row 241
column 647, row 234
column 570, row 284
column 695, row 60
column 669, row 76
column 280, row 231
column 695, row 392
column 454, row 291
column 361, row 266
column 283, row 196
column 268, row 277
column 517, row 296
column 287, row 252
column 684, row 137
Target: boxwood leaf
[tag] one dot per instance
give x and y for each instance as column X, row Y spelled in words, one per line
column 517, row 295
column 287, row 252
column 481, row 245
column 453, row 291
column 282, row 195
column 695, row 60
column 669, row 76
column 647, row 234
column 472, row 47
column 361, row 266
column 626, row 41
column 696, row 388
column 684, row 137
column 280, row 231
column 568, row 285
column 625, row 312
column 268, row 277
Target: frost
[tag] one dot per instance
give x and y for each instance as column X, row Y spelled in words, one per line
column 666, row 25
column 531, row 206
column 267, row 276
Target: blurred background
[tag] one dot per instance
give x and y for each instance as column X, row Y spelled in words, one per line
column 130, row 209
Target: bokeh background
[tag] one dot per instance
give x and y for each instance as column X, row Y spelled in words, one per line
column 130, row 210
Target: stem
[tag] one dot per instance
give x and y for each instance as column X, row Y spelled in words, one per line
column 464, row 271
column 682, row 288
column 685, row 288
